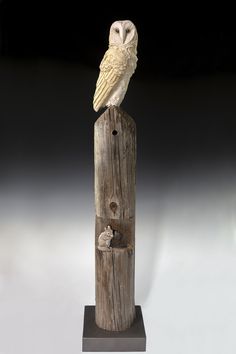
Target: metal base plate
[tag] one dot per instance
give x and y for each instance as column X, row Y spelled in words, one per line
column 96, row 339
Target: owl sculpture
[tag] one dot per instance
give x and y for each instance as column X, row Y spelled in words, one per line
column 117, row 65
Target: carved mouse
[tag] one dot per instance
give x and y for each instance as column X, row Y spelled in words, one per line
column 104, row 239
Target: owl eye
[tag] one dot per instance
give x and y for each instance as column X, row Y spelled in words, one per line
column 117, row 30
column 127, row 30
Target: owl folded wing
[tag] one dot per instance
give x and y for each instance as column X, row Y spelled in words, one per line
column 112, row 68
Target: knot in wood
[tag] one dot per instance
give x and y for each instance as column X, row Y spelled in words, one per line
column 113, row 207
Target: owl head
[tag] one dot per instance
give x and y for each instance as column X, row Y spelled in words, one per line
column 123, row 33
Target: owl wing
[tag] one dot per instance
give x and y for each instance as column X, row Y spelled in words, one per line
column 112, row 68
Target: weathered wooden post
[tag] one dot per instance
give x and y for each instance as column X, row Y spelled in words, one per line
column 115, row 160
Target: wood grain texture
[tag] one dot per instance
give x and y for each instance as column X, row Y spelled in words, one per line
column 115, row 159
column 115, row 163
column 115, row 310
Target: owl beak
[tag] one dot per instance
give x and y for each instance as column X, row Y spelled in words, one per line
column 123, row 35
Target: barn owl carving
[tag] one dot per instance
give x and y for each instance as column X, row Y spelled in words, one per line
column 117, row 65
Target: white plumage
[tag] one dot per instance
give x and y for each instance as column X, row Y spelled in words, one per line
column 117, row 65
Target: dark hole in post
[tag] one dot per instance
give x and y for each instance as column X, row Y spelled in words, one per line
column 115, row 132
column 113, row 206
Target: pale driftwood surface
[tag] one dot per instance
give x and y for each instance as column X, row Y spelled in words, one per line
column 115, row 161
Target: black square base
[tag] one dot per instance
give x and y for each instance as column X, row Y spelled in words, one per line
column 96, row 339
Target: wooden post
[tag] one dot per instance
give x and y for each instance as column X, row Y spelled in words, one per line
column 115, row 163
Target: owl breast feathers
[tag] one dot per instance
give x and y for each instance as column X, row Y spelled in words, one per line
column 117, row 66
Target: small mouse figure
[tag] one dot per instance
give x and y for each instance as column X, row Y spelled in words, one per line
column 104, row 239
